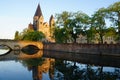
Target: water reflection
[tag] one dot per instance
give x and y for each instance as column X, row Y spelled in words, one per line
column 112, row 61
column 4, row 50
column 39, row 67
column 68, row 70
column 88, row 72
column 17, row 54
column 51, row 65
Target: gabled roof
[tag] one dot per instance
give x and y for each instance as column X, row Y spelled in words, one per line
column 38, row 11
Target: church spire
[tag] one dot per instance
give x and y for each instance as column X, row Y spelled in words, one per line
column 38, row 11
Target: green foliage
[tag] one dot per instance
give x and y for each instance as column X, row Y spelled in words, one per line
column 70, row 25
column 34, row 36
column 113, row 14
column 98, row 22
column 110, row 31
column 16, row 35
column 30, row 35
column 61, row 35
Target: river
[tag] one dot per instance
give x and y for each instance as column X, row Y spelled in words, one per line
column 59, row 66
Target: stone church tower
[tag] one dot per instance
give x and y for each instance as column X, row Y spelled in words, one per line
column 40, row 25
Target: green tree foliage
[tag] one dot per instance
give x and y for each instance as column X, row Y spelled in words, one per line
column 16, row 35
column 20, row 35
column 79, row 24
column 113, row 13
column 61, row 35
column 34, row 36
column 31, row 35
column 110, row 31
column 98, row 22
column 24, row 33
column 73, row 24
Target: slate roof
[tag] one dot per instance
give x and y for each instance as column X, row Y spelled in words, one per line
column 50, row 19
column 38, row 11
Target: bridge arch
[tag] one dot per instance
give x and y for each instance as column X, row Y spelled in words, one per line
column 30, row 49
column 6, row 46
column 15, row 45
column 23, row 44
column 6, row 49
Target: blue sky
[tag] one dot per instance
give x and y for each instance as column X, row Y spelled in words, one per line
column 15, row 15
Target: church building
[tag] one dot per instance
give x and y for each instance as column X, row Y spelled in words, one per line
column 40, row 25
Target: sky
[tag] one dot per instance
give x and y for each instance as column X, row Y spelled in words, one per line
column 15, row 15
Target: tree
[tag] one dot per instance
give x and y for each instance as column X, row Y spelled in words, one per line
column 98, row 22
column 61, row 35
column 25, row 32
column 111, row 32
column 113, row 13
column 73, row 23
column 34, row 36
column 16, row 35
column 20, row 35
column 63, row 18
column 28, row 34
column 80, row 24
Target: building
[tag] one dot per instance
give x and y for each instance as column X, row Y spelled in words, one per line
column 40, row 25
column 81, row 39
column 106, row 39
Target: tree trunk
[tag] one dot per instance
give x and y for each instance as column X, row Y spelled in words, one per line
column 101, row 38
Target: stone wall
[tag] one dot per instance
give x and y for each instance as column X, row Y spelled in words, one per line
column 101, row 49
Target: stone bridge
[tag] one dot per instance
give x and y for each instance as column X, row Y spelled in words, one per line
column 94, row 49
column 15, row 45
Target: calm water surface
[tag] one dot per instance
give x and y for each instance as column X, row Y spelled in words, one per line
column 52, row 68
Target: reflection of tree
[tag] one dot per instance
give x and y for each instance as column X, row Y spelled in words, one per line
column 32, row 62
column 72, row 72
column 38, row 66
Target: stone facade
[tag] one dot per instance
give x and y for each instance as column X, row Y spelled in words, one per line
column 40, row 25
column 106, row 39
column 81, row 39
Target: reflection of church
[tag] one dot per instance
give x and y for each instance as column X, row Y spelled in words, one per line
column 46, row 67
column 40, row 25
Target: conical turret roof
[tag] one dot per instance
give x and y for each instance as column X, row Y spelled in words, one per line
column 50, row 19
column 38, row 11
